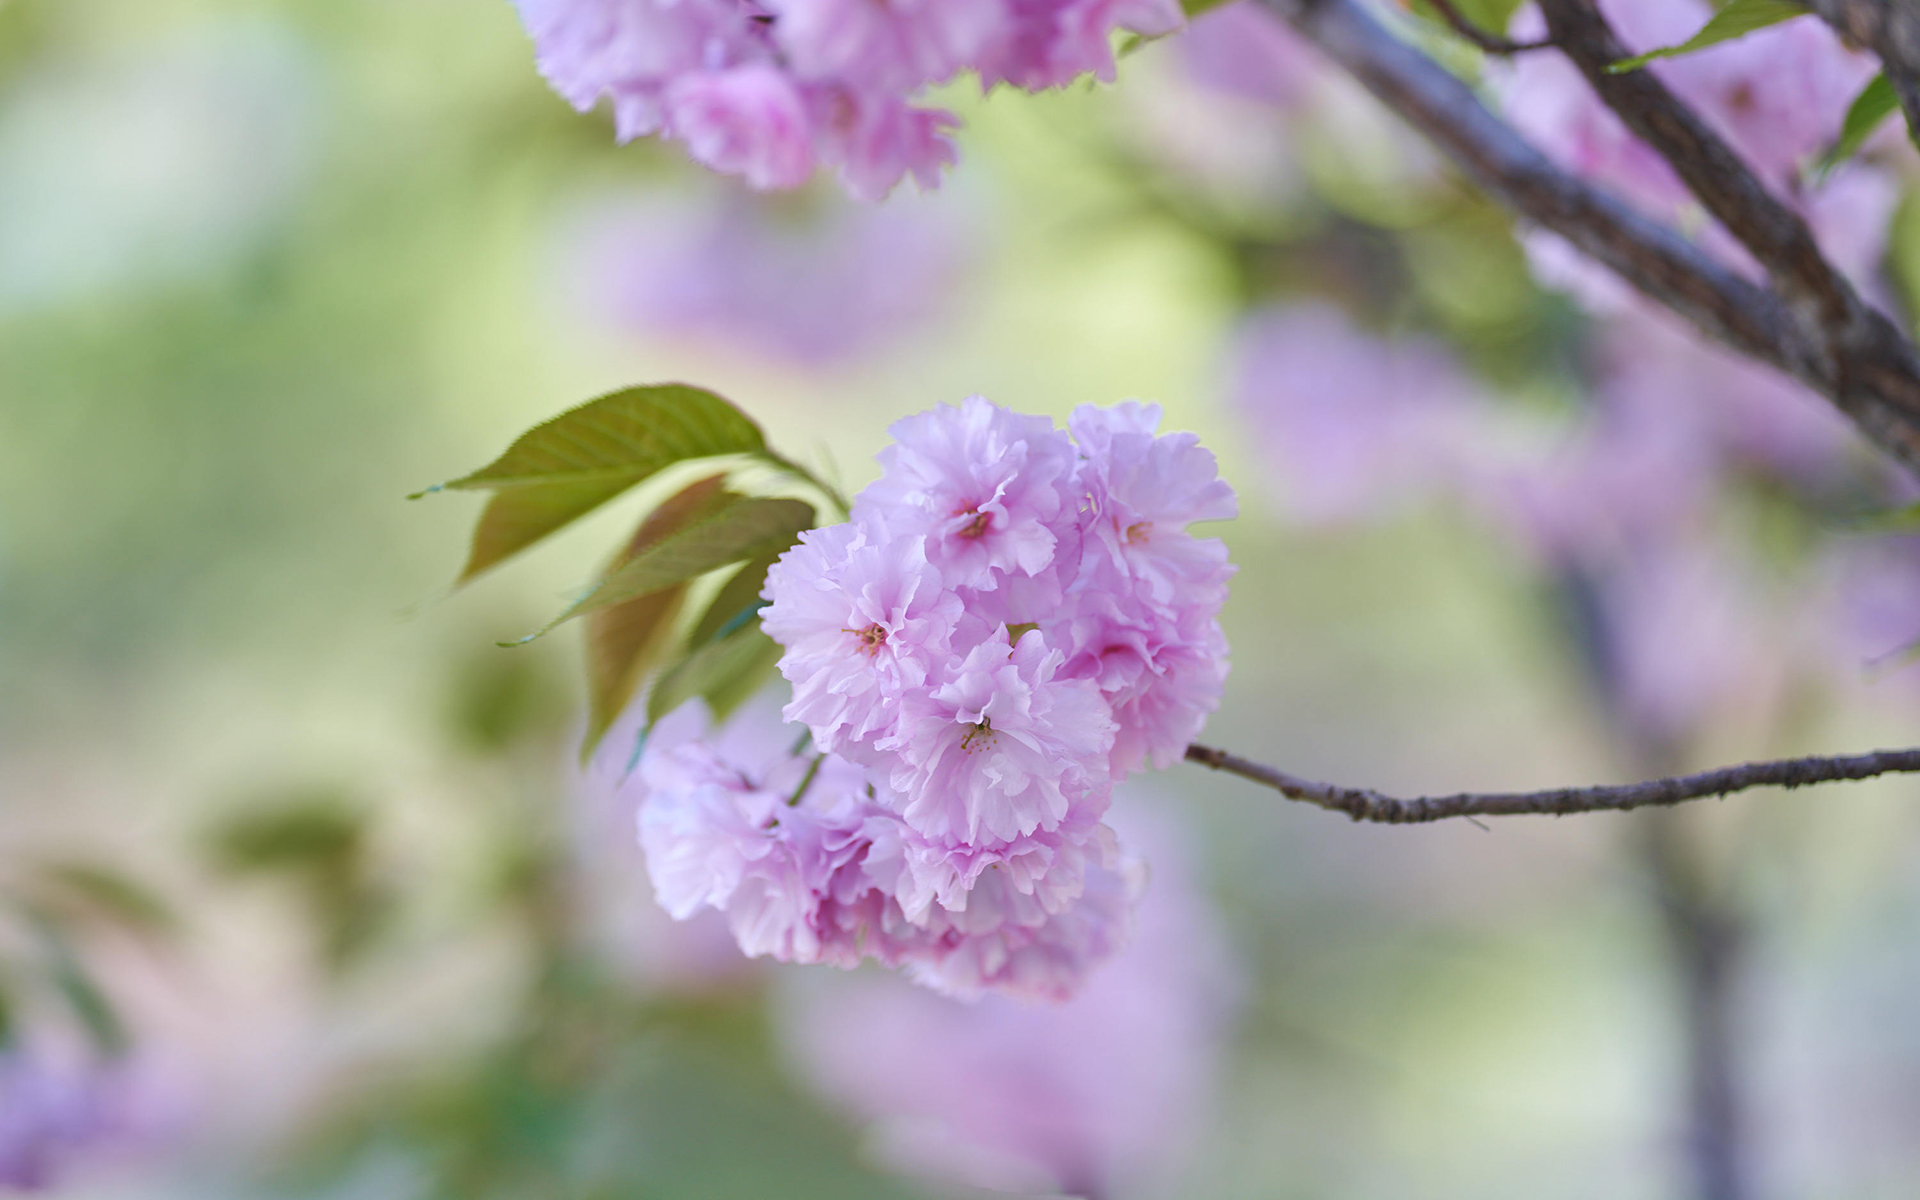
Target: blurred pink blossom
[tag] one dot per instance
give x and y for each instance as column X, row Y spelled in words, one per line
column 1103, row 1096
column 1683, row 638
column 1242, row 50
column 1744, row 413
column 814, row 865
column 1869, row 612
column 748, row 121
column 1352, row 423
column 651, row 949
column 815, row 283
column 769, row 91
column 59, row 1110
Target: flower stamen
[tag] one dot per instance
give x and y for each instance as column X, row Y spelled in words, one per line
column 870, row 639
column 976, row 527
column 978, row 737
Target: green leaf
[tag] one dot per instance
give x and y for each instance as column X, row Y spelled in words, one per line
column 624, row 640
column 725, row 672
column 1875, row 103
column 318, row 843
column 736, row 602
column 106, row 893
column 1490, row 15
column 316, row 831
column 1905, row 519
column 1736, row 19
column 737, row 527
column 90, row 1005
column 564, row 468
column 516, row 519
column 83, row 996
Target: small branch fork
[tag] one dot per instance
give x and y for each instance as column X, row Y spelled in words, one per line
column 1363, row 804
column 1807, row 320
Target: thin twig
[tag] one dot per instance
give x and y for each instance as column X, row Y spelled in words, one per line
column 1364, row 804
column 1870, row 372
column 1488, row 43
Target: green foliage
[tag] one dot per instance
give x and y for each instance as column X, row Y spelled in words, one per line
column 56, row 906
column 736, row 603
column 75, row 984
column 1491, row 16
column 724, row 672
column 307, row 832
column 496, row 701
column 1904, row 519
column 318, row 842
column 564, row 468
column 1875, row 103
column 84, row 890
column 730, row 528
column 1736, row 19
column 625, row 639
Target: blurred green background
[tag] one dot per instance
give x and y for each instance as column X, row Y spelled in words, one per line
column 268, row 267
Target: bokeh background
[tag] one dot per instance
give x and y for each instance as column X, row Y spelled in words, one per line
column 364, row 927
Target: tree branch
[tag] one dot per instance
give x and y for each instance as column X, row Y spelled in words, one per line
column 1862, row 354
column 1864, row 365
column 1892, row 31
column 1363, row 804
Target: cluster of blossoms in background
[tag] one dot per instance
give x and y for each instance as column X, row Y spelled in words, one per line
column 789, row 278
column 771, row 90
column 1012, row 621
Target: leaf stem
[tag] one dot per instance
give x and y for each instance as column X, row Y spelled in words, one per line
column 827, row 490
column 806, row 781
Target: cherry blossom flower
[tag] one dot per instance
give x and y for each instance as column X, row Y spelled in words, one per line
column 949, row 819
column 1002, row 747
column 768, row 91
column 810, row 865
column 1103, row 1095
column 865, row 618
column 986, row 488
column 893, row 47
column 748, row 121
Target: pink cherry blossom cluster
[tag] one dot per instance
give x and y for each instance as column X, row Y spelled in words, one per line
column 770, row 90
column 1013, row 620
